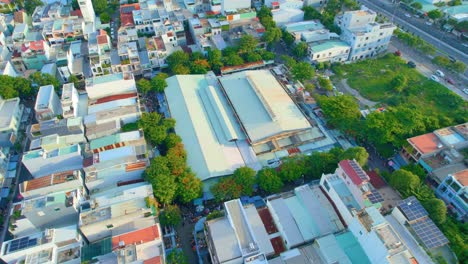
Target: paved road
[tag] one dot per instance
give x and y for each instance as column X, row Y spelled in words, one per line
column 446, row 42
column 409, row 241
column 427, row 68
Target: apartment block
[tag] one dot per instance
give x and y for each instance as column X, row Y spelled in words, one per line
column 69, row 101
column 51, row 201
column 366, row 37
column 56, row 245
column 48, row 104
column 11, row 112
column 454, row 191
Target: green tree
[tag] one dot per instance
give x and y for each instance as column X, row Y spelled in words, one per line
column 267, row 55
column 435, row 14
column 310, row 13
column 164, row 185
column 170, row 216
column 325, row 83
column 417, row 5
column 253, row 57
column 300, row 50
column 105, row 17
column 176, row 257
column 342, row 112
column 181, row 69
column 287, row 38
column 417, row 170
column 199, row 66
column 99, row 6
column 177, row 59
column 189, row 186
column 272, row 35
column 291, row 169
column 399, row 82
column 264, row 12
column 226, row 189
column 247, row 43
column 75, row 5
column 73, row 79
column 155, row 127
column 176, row 159
column 143, row 85
column 358, row 153
column 171, row 140
column 404, row 181
column 233, row 60
column 458, row 66
column 269, row 180
column 215, row 58
column 41, row 79
column 319, row 163
column 158, row 83
column 245, row 177
column 437, row 210
column 30, row 6
column 302, row 71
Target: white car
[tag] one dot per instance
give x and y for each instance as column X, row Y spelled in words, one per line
column 435, row 78
column 465, row 90
column 407, row 15
column 429, row 23
column 440, row 73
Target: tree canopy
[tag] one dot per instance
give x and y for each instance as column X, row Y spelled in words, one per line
column 158, row 83
column 170, row 216
column 404, row 181
column 30, row 6
column 99, row 6
column 325, row 83
column 41, row 79
column 143, row 86
column 300, row 50
column 342, row 111
column 269, row 180
column 437, row 210
column 358, row 153
column 435, row 14
column 247, row 43
column 11, row 87
column 245, row 177
column 155, row 127
column 177, row 256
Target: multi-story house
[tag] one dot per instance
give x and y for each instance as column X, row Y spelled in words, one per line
column 11, row 112
column 366, row 37
column 19, row 33
column 99, row 48
column 34, row 55
column 47, row 104
column 40, row 162
column 63, row 30
column 57, row 245
column 454, row 191
column 48, row 202
column 114, row 159
column 69, row 100
column 331, row 50
column 75, row 59
column 60, row 127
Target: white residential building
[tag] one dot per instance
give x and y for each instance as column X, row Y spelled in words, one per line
column 331, row 50
column 51, row 201
column 41, row 163
column 58, row 245
column 230, row 6
column 70, row 100
column 11, row 112
column 86, row 7
column 366, row 37
column 48, row 104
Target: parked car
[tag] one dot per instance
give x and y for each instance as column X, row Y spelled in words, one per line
column 429, row 23
column 398, row 53
column 440, row 73
column 435, row 78
column 407, row 15
column 450, row 80
column 452, row 59
column 411, row 64
column 465, row 90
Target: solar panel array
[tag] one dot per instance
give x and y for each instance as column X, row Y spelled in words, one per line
column 375, row 197
column 429, row 234
column 412, row 208
column 359, row 171
column 22, row 243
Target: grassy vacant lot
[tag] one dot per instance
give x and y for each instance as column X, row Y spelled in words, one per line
column 372, row 78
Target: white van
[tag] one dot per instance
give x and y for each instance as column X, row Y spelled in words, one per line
column 440, row 73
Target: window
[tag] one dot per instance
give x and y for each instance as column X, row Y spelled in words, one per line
column 56, row 209
column 367, row 38
column 325, row 183
column 110, row 226
column 318, row 56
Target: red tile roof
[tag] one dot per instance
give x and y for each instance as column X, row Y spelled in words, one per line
column 137, row 237
column 376, row 180
column 128, row 8
column 6, row 1
column 49, row 180
column 155, row 260
column 102, row 39
column 76, row 13
column 36, row 45
column 126, row 19
column 347, row 167
column 426, row 143
column 267, row 221
column 115, row 97
column 278, row 245
column 462, row 177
